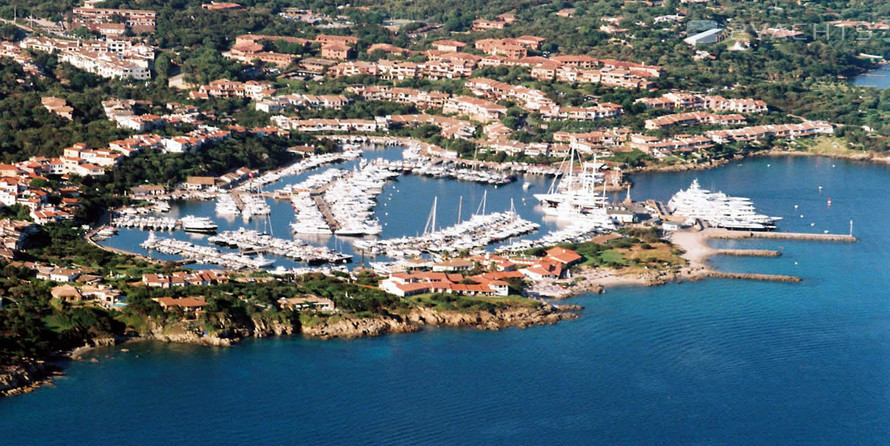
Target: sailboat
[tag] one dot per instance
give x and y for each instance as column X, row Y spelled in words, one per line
column 574, row 195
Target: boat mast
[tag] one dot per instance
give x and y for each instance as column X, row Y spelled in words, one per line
column 431, row 220
column 460, row 205
column 484, row 195
column 604, row 191
column 481, row 209
column 571, row 168
column 552, row 189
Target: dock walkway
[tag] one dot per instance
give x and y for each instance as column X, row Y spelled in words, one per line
column 326, row 212
column 318, row 196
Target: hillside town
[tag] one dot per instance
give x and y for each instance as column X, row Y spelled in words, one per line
column 234, row 169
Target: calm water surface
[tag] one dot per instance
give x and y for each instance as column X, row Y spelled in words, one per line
column 711, row 362
column 879, row 78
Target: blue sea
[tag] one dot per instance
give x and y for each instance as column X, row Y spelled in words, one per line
column 709, row 362
column 879, row 78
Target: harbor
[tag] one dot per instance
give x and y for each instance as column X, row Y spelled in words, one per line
column 313, row 204
column 255, row 242
column 365, row 208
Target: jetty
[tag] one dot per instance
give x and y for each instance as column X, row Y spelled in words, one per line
column 748, row 252
column 326, row 212
column 735, row 235
column 754, row 276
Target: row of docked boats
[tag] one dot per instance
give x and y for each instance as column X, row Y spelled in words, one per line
column 254, row 206
column 475, row 233
column 719, row 210
column 145, row 222
column 352, row 199
column 250, row 240
column 308, row 218
column 314, row 182
column 189, row 223
column 425, row 167
column 464, row 174
column 578, row 231
column 298, row 168
column 226, row 206
column 204, row 254
column 251, row 206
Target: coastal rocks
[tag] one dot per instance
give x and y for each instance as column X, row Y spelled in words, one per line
column 185, row 336
column 263, row 328
column 78, row 352
column 23, row 377
column 496, row 319
column 351, row 327
column 193, row 338
column 680, row 167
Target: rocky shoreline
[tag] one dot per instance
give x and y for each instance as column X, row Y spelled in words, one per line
column 413, row 321
column 27, row 375
column 871, row 157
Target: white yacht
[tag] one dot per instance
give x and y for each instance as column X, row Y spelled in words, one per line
column 719, row 210
column 575, row 196
column 225, row 205
column 162, row 206
column 310, row 227
column 190, row 223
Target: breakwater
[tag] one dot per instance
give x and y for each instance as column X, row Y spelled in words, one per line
column 732, row 235
column 754, row 276
column 748, row 252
